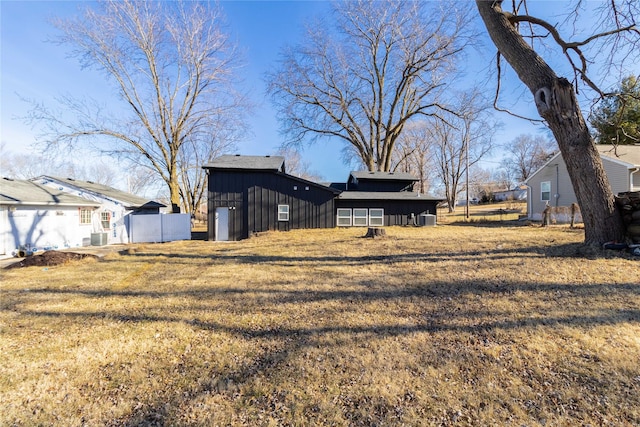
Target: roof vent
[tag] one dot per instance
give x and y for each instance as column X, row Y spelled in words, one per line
column 237, row 155
column 70, row 179
column 267, row 155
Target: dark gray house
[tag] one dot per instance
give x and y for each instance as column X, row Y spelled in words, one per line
column 250, row 194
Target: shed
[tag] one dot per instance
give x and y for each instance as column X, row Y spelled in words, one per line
column 251, row 194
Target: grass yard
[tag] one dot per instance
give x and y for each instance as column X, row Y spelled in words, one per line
column 454, row 325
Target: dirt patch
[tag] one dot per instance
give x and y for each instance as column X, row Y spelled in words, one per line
column 50, row 258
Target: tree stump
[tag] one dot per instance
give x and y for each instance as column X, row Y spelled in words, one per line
column 375, row 232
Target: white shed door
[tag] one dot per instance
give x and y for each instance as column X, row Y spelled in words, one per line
column 222, row 224
column 5, row 231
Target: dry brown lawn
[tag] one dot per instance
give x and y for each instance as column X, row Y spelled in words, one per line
column 453, row 325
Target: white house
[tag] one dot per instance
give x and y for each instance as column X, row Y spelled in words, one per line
column 124, row 217
column 34, row 217
column 519, row 193
column 550, row 185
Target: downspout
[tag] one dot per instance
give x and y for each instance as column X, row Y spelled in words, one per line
column 632, row 171
column 529, row 206
column 557, row 195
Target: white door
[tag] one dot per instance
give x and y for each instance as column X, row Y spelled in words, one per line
column 222, row 224
column 4, row 229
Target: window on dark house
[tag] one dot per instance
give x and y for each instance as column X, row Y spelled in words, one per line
column 283, row 212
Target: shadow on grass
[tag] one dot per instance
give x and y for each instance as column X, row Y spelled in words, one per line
column 569, row 250
column 293, row 339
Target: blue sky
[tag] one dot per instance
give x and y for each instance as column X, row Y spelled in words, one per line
column 33, row 68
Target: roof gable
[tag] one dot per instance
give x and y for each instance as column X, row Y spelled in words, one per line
column 274, row 163
column 23, row 192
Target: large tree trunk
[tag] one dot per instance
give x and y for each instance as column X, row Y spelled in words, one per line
column 557, row 104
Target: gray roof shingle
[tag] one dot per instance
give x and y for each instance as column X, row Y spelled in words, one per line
column 275, row 163
column 127, row 199
column 22, row 192
column 626, row 153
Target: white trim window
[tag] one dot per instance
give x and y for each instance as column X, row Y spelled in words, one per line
column 360, row 217
column 545, row 191
column 283, row 212
column 376, row 217
column 85, row 216
column 105, row 220
column 344, row 217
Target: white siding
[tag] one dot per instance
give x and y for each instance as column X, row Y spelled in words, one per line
column 42, row 228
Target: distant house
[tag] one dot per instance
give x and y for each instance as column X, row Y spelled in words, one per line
column 35, row 218
column 519, row 193
column 251, row 194
column 551, row 185
column 124, row 217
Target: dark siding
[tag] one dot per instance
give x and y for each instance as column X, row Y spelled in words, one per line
column 256, row 196
column 379, row 185
column 396, row 212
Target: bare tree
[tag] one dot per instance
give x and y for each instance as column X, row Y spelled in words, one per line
column 364, row 77
column 171, row 67
column 414, row 154
column 28, row 166
column 526, row 154
column 140, row 180
column 195, row 154
column 614, row 38
column 296, row 166
column 460, row 142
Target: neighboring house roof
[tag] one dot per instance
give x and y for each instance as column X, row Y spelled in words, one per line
column 383, row 176
column 384, row 195
column 629, row 154
column 22, row 192
column 127, row 199
column 275, row 163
